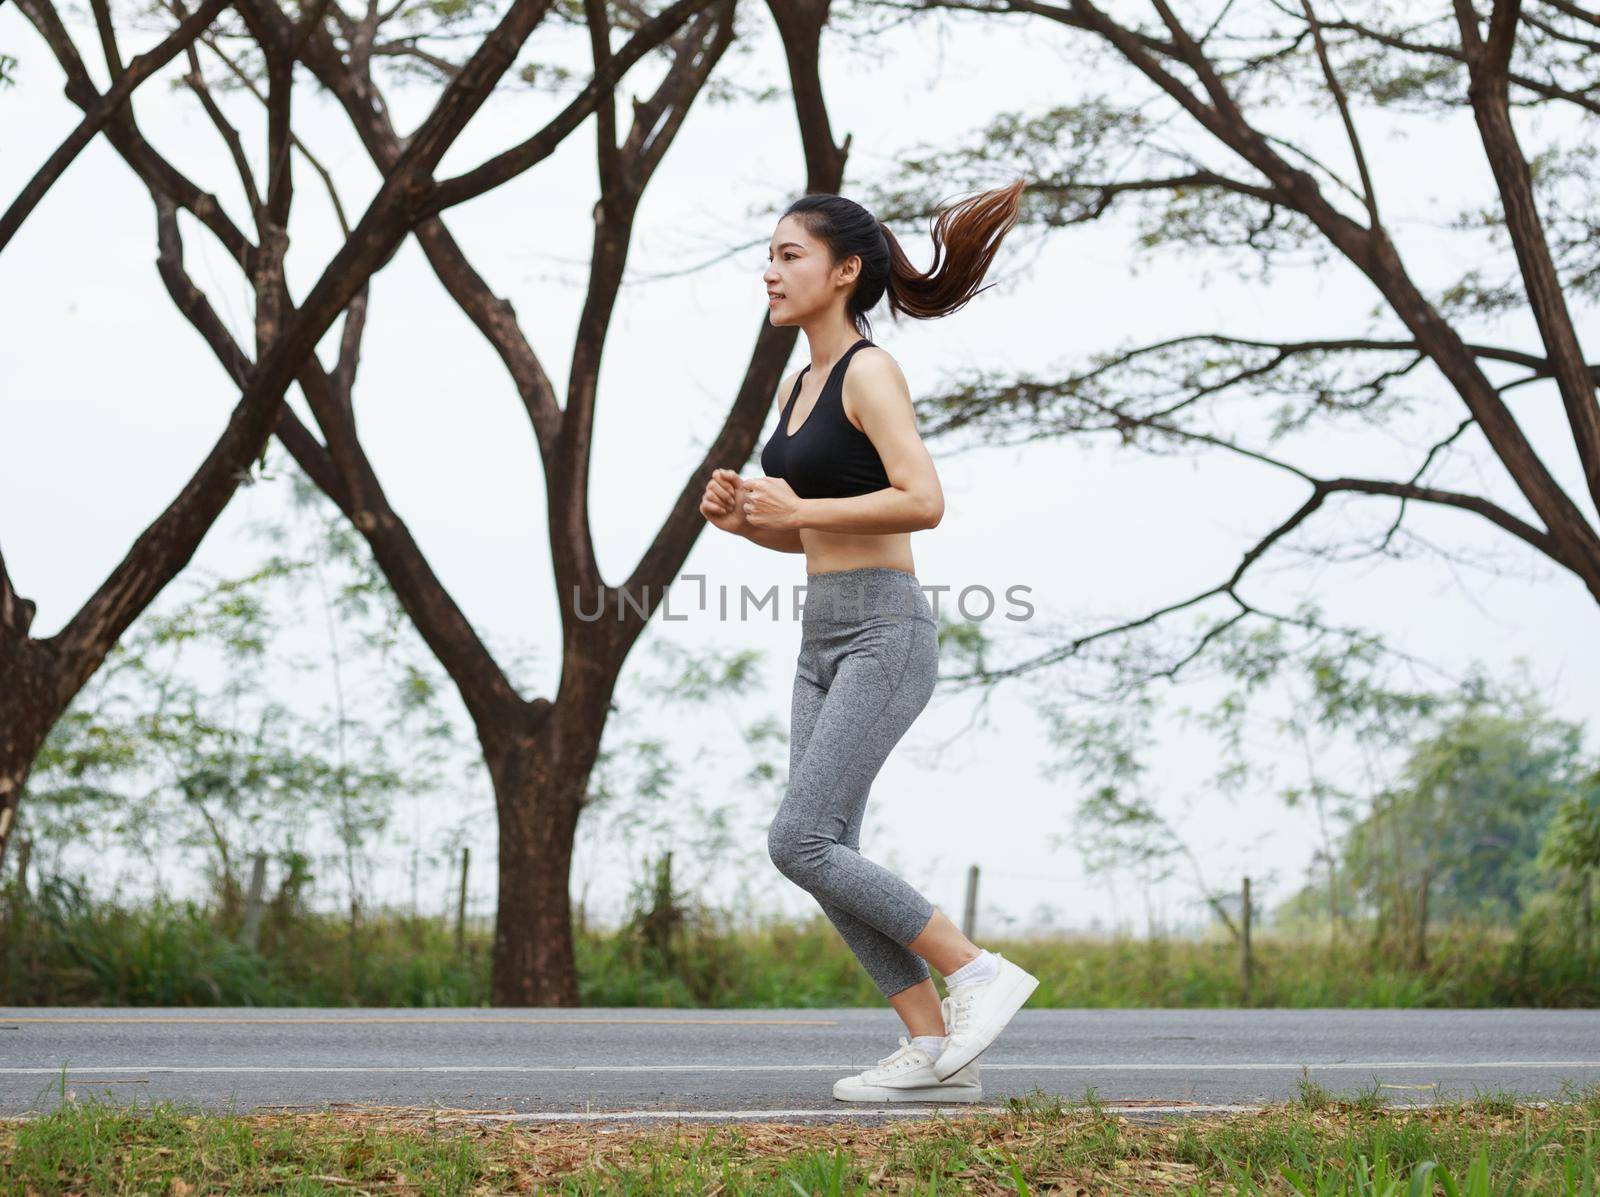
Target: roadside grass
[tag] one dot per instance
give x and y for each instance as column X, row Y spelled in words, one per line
column 1491, row 1144
column 65, row 947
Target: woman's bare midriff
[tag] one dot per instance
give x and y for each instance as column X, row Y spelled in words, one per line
column 830, row 551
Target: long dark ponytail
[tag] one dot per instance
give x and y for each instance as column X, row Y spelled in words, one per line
column 966, row 237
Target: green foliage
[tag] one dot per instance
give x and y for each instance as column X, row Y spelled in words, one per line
column 1474, row 801
column 672, row 950
column 70, row 948
column 638, row 801
column 1572, row 839
column 182, row 742
column 1470, row 803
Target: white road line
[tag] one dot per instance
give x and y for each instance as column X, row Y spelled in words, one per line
column 477, row 1069
column 429, row 1018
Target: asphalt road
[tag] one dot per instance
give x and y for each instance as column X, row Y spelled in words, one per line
column 633, row 1064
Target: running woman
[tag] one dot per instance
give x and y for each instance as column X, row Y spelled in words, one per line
column 848, row 480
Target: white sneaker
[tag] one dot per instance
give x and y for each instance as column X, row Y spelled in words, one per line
column 908, row 1075
column 978, row 1012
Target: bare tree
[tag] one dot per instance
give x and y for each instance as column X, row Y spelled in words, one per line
column 539, row 751
column 1174, row 395
column 41, row 676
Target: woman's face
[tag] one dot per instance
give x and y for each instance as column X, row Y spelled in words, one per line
column 800, row 272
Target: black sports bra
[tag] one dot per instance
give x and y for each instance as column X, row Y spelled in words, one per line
column 828, row 456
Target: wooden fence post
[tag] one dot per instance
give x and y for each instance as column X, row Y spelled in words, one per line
column 1421, row 955
column 969, row 918
column 1588, row 876
column 1246, row 963
column 461, row 902
column 254, row 903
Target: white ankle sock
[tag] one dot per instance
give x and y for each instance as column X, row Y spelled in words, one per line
column 983, row 967
column 932, row 1044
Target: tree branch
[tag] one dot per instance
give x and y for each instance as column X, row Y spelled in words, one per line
column 102, row 110
column 196, row 81
column 510, row 163
column 1369, row 193
column 167, row 545
column 1488, row 91
column 16, row 612
column 123, row 133
column 1371, row 251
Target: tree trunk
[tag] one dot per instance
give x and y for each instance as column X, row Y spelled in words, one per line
column 540, row 778
column 29, row 708
column 534, row 964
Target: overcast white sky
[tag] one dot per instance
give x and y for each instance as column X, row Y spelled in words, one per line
column 108, row 399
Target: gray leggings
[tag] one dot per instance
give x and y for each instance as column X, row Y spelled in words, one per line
column 869, row 657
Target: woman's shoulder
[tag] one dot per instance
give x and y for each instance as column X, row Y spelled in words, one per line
column 873, row 364
column 873, row 379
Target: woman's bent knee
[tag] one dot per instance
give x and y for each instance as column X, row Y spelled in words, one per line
column 795, row 853
column 783, row 848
